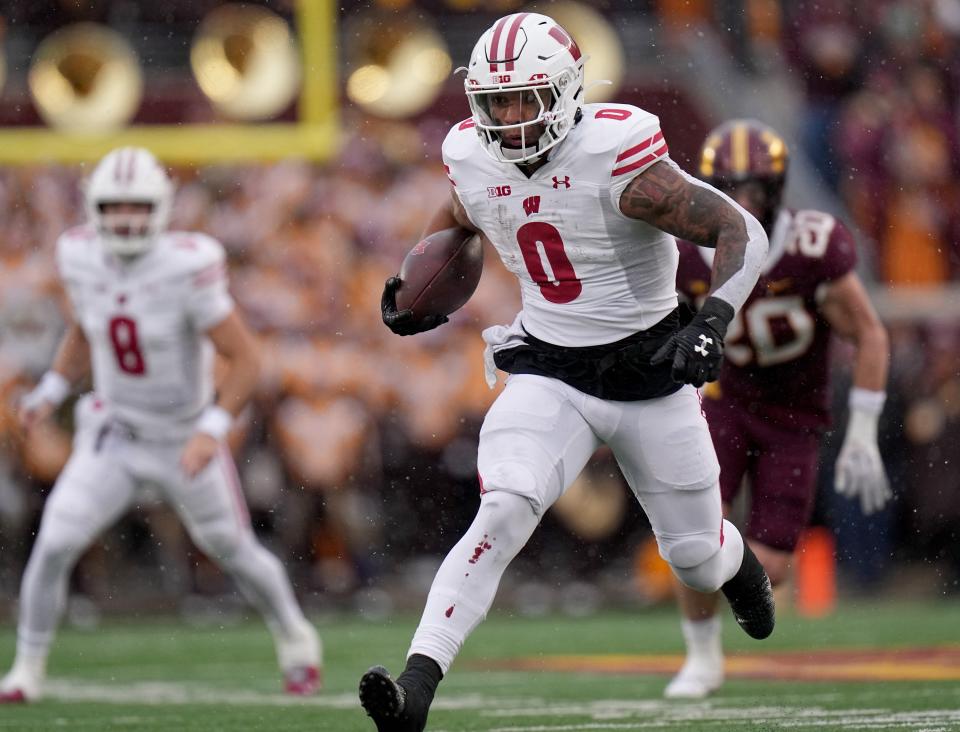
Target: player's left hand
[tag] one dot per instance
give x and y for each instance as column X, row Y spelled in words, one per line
column 859, row 470
column 696, row 351
column 198, row 453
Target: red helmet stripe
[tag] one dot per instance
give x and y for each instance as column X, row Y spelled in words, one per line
column 495, row 43
column 563, row 39
column 131, row 168
column 512, row 39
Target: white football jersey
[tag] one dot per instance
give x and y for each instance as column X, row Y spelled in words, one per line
column 588, row 274
column 145, row 321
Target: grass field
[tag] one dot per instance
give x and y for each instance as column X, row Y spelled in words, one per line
column 868, row 667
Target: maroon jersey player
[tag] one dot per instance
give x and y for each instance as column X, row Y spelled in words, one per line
column 770, row 404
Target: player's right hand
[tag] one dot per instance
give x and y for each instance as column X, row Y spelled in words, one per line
column 402, row 322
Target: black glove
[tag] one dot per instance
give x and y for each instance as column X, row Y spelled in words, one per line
column 402, row 322
column 697, row 349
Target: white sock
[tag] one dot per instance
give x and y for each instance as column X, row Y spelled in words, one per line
column 702, row 636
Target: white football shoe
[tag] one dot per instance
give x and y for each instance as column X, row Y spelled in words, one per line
column 699, row 676
column 21, row 685
column 301, row 660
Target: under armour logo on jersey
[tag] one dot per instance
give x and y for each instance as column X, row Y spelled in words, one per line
column 704, row 342
column 565, row 181
column 531, row 205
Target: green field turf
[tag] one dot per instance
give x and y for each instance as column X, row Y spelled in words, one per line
column 167, row 676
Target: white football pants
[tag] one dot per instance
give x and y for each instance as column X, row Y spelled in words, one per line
column 100, row 481
column 535, row 440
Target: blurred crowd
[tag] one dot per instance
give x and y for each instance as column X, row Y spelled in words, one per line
column 881, row 119
column 358, row 452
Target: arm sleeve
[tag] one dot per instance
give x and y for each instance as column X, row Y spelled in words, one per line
column 450, row 166
column 208, row 300
column 736, row 289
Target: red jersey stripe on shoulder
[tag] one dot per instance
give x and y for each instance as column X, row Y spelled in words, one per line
column 466, row 124
column 210, row 274
column 639, row 148
column 658, row 153
column 495, row 42
column 512, row 40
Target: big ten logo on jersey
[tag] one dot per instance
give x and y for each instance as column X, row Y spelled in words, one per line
column 498, row 191
column 810, row 233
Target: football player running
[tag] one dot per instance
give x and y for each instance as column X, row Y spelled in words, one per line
column 770, row 405
column 151, row 309
column 582, row 203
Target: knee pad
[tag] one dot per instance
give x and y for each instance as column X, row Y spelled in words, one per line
column 691, row 551
column 62, row 545
column 702, row 562
column 509, row 517
column 695, row 560
column 516, row 479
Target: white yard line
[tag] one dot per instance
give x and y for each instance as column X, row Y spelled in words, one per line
column 597, row 716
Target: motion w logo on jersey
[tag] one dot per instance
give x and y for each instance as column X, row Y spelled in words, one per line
column 531, row 205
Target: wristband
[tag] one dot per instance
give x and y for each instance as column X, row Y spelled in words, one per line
column 215, row 421
column 865, row 400
column 53, row 387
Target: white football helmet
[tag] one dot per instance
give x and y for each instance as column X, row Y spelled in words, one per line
column 520, row 52
column 129, row 175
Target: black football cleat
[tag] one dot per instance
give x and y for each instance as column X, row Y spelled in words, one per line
column 751, row 597
column 393, row 708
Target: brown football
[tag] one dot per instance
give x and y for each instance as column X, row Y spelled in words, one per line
column 440, row 273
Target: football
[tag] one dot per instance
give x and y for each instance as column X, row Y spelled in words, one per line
column 440, row 273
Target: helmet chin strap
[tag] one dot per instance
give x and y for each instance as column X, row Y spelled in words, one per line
column 517, row 153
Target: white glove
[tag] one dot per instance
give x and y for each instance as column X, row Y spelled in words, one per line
column 859, row 470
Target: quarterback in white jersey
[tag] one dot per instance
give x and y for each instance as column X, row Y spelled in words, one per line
column 151, row 309
column 582, row 203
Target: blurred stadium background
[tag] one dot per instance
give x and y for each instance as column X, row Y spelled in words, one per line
column 305, row 135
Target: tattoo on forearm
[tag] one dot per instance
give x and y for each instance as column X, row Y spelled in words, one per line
column 664, row 198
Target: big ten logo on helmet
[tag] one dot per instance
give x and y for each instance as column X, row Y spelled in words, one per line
column 500, row 78
column 498, row 191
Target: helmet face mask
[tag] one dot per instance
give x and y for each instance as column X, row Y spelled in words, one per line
column 128, row 199
column 524, row 85
column 748, row 161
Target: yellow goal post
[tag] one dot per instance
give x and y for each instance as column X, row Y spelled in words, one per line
column 313, row 136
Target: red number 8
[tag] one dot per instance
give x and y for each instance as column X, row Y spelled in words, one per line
column 126, row 346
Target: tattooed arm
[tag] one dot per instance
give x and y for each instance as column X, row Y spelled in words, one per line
column 670, row 200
